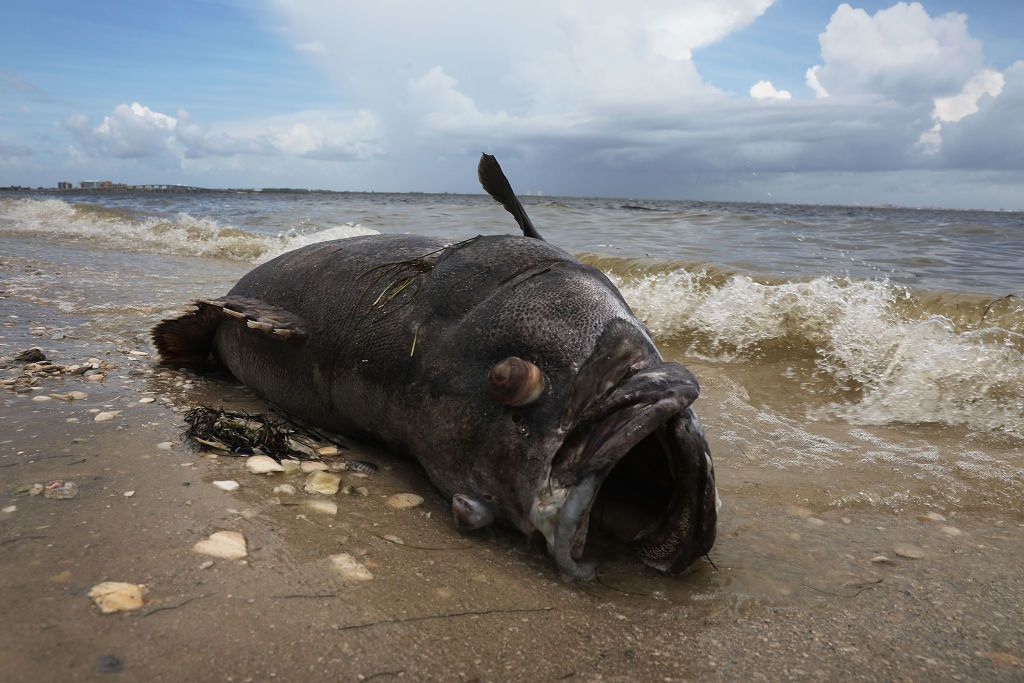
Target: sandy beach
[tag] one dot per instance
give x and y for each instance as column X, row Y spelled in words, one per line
column 804, row 586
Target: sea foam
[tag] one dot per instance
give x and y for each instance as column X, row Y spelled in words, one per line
column 180, row 234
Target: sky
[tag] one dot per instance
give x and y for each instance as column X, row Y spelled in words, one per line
column 809, row 101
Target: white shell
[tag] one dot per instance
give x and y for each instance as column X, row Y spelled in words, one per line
column 326, row 483
column 350, row 569
column 229, row 545
column 262, row 464
column 403, row 501
column 117, row 596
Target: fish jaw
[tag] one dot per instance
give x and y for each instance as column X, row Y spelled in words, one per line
column 639, row 455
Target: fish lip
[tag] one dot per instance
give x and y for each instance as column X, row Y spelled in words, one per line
column 654, row 400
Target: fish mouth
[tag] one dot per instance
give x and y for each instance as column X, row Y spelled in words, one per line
column 635, row 465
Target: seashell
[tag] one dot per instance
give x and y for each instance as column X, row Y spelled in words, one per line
column 515, row 382
column 117, row 596
column 403, row 501
column 323, row 482
column 229, row 545
column 262, row 464
column 328, row 507
column 350, row 569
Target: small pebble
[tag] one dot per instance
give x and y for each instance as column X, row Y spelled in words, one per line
column 206, row 565
column 932, row 517
column 165, row 445
column 312, row 466
column 881, row 559
column 10, row 508
column 128, row 494
column 291, row 466
column 106, row 415
column 952, row 531
column 226, row 485
column 148, row 399
column 77, row 395
column 327, row 451
column 40, row 399
column 96, row 378
column 285, row 488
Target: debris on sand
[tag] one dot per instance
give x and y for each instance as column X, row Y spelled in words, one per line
column 60, row 489
column 245, row 434
column 262, row 464
column 33, row 355
column 117, row 596
column 403, row 501
column 327, row 507
column 911, row 552
column 350, row 569
column 229, row 545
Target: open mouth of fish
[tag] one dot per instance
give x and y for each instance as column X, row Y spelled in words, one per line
column 635, row 468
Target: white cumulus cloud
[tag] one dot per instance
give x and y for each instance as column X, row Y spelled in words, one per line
column 136, row 131
column 765, row 90
column 900, row 53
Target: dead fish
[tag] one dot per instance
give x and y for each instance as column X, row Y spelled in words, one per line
column 517, row 376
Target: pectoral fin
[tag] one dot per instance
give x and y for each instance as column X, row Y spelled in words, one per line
column 187, row 341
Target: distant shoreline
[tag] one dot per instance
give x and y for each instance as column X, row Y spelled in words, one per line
column 628, row 202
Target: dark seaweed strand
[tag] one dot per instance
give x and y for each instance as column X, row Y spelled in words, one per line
column 270, row 437
column 401, row 276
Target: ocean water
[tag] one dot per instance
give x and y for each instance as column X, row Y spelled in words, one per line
column 878, row 352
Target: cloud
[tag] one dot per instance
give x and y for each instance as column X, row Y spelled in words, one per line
column 10, row 149
column 900, row 53
column 9, row 80
column 135, row 131
column 764, row 90
column 128, row 132
column 314, row 48
column 992, row 137
column 985, row 82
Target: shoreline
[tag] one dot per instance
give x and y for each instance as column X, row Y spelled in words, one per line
column 794, row 593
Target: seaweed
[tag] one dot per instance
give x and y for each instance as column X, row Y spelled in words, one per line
column 247, row 434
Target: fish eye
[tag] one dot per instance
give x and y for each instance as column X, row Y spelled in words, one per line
column 515, row 382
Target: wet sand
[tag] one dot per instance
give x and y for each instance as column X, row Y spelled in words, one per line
column 793, row 593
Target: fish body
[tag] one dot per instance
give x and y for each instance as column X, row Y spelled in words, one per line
column 517, row 376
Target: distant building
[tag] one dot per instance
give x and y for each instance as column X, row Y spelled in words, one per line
column 95, row 184
column 63, row 185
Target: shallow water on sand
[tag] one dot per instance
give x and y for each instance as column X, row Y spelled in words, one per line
column 821, row 468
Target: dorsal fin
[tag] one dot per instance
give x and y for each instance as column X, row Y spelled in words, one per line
column 494, row 181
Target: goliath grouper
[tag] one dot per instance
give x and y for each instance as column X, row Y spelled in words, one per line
column 517, row 376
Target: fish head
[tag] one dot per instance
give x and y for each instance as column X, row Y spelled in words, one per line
column 605, row 447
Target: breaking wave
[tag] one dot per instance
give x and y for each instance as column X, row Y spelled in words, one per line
column 889, row 352
column 180, row 234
